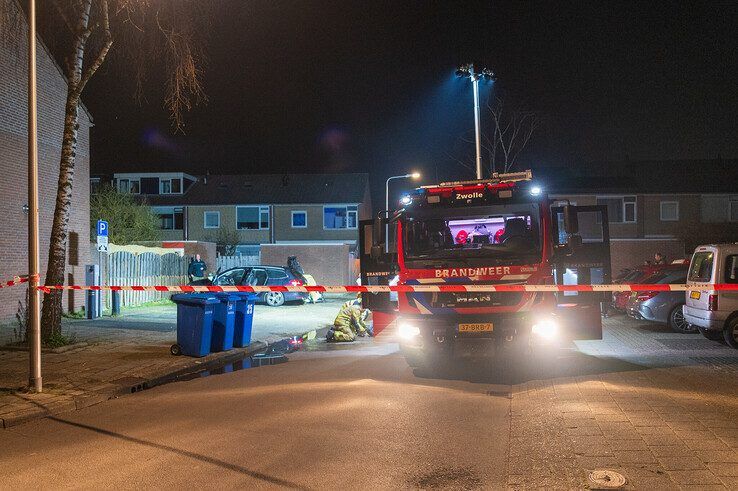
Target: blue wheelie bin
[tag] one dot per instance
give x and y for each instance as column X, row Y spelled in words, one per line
column 194, row 323
column 244, row 319
column 224, row 317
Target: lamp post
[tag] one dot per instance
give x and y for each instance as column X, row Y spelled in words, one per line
column 414, row 175
column 468, row 71
column 34, row 325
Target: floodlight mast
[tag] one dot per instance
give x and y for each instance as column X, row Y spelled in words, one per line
column 468, row 71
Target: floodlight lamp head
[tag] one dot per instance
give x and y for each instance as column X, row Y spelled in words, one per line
column 464, row 70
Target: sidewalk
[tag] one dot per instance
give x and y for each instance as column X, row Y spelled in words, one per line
column 130, row 353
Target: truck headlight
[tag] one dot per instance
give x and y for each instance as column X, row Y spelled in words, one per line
column 547, row 329
column 408, row 331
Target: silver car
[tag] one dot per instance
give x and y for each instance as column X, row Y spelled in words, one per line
column 659, row 306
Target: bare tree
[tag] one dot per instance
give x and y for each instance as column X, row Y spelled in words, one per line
column 512, row 127
column 150, row 34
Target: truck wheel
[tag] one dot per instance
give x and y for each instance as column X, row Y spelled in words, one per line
column 730, row 333
column 678, row 323
column 711, row 335
column 175, row 349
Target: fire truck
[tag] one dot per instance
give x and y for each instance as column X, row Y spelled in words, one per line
column 497, row 231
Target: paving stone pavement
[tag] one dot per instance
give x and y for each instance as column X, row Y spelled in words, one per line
column 125, row 352
column 641, row 402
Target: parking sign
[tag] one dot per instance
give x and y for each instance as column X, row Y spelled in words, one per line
column 102, row 228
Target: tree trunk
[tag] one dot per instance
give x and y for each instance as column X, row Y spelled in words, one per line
column 52, row 308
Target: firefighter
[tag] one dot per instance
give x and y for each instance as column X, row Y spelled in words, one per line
column 350, row 322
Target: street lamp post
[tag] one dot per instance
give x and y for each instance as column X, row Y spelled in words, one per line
column 34, row 327
column 414, row 175
column 468, row 71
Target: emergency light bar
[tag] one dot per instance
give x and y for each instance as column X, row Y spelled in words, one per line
column 497, row 178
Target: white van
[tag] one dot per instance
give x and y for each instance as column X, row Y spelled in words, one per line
column 715, row 313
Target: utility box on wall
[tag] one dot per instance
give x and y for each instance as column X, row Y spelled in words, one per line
column 93, row 299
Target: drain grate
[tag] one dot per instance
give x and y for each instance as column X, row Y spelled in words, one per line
column 689, row 344
column 606, row 479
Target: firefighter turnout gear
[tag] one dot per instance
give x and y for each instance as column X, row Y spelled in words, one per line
column 350, row 322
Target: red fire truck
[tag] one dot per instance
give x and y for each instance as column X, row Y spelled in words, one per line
column 498, row 231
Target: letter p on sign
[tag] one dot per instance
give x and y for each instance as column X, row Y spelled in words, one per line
column 102, row 228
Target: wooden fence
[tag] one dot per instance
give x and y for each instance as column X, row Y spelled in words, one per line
column 148, row 268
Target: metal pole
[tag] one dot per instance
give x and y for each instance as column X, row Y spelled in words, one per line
column 477, row 125
column 386, row 207
column 34, row 328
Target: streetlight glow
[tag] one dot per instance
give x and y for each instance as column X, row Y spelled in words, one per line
column 415, row 175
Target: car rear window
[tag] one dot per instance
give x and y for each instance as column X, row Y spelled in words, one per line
column 731, row 269
column 701, row 268
column 276, row 273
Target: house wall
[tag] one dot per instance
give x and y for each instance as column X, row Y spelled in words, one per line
column 280, row 220
column 314, row 231
column 689, row 212
column 329, row 264
column 13, row 170
column 716, row 208
column 197, row 230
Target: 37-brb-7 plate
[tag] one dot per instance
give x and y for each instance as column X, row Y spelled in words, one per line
column 695, row 295
column 476, row 327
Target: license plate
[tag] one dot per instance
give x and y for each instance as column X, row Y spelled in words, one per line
column 694, row 295
column 477, row 327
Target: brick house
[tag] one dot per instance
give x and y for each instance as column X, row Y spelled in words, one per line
column 665, row 206
column 261, row 209
column 13, row 166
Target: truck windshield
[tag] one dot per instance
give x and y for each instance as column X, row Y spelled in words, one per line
column 510, row 233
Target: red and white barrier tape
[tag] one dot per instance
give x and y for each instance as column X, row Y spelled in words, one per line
column 400, row 288
column 17, row 280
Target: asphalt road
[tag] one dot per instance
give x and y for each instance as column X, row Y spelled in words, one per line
column 659, row 408
column 345, row 417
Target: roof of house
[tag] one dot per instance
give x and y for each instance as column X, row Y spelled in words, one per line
column 270, row 189
column 643, row 177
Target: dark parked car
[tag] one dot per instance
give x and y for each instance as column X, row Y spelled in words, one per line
column 260, row 276
column 659, row 306
column 639, row 274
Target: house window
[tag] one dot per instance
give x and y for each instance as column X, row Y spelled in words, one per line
column 340, row 217
column 733, row 211
column 620, row 209
column 669, row 211
column 299, row 219
column 252, row 217
column 211, row 219
column 170, row 186
column 169, row 218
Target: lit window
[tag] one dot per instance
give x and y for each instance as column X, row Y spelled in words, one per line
column 212, row 219
column 299, row 219
column 340, row 217
column 252, row 217
column 669, row 211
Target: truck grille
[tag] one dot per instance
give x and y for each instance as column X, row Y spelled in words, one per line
column 475, row 299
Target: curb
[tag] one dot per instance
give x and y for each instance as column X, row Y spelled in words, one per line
column 113, row 391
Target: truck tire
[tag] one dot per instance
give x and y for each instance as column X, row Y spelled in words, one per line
column 730, row 333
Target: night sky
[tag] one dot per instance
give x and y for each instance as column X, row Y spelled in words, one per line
column 344, row 86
